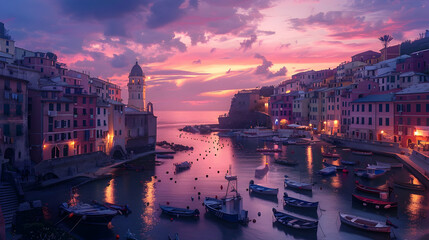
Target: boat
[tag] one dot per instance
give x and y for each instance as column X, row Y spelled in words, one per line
column 270, row 150
column 89, row 213
column 261, row 170
column 164, row 156
column 345, row 162
column 331, row 155
column 298, row 202
column 392, row 165
column 179, row 212
column 370, row 173
column 377, row 203
column 362, row 153
column 297, row 185
column 367, row 189
column 182, row 166
column 122, row 209
column 230, row 207
column 382, row 167
column 257, row 132
column 410, row 186
column 176, row 237
column 338, row 167
column 289, row 142
column 130, row 235
column 294, row 222
column 279, row 139
column 364, row 223
column 328, row 171
column 286, row 162
column 262, row 190
column 346, row 149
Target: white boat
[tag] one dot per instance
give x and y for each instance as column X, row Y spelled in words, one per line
column 89, row 213
column 297, row 185
column 279, row 139
column 382, row 167
column 261, row 170
column 257, row 133
column 229, row 208
column 328, row 171
column 364, row 223
column 370, row 173
column 262, row 190
column 392, row 165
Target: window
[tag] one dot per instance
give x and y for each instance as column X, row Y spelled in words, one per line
column 66, row 150
column 427, row 121
column 18, row 110
column 98, row 122
column 357, row 120
column 408, row 107
column 363, row 120
column 400, row 120
column 427, row 107
column 363, row 107
column 418, row 108
column 370, row 121
column 58, row 107
column 75, row 134
column 387, row 107
column 419, row 122
column 91, row 100
column 6, row 109
column 380, row 107
column 105, row 124
column 84, row 123
column 98, row 111
column 67, row 107
column 380, row 121
column 408, row 121
column 387, row 121
column 74, row 123
column 84, row 100
column 91, row 110
column 19, row 130
column 91, row 122
column 84, row 111
column 51, row 107
column 353, row 108
column 370, row 107
column 357, row 108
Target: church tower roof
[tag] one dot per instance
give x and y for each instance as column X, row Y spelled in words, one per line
column 136, row 71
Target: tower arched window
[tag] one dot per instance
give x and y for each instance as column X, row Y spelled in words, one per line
column 138, row 81
column 132, row 81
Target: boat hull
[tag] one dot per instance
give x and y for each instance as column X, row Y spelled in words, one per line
column 362, row 153
column 364, row 224
column 409, row 186
column 290, row 201
column 88, row 218
column 263, row 190
column 375, row 203
column 297, row 185
column 294, row 222
column 229, row 217
column 179, row 212
column 367, row 189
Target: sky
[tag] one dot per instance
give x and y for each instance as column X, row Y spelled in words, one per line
column 196, row 54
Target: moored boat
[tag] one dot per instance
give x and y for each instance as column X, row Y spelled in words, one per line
column 345, row 162
column 261, row 170
column 338, row 167
column 297, row 185
column 89, row 213
column 229, row 208
column 370, row 173
column 367, row 189
column 376, row 203
column 294, row 222
column 382, row 167
column 363, row 153
column 179, row 212
column 410, row 186
column 164, row 156
column 327, row 171
column 182, row 166
column 122, row 209
column 262, row 190
column 298, row 202
column 331, row 155
column 364, row 223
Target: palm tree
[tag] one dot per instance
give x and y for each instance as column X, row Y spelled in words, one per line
column 386, row 39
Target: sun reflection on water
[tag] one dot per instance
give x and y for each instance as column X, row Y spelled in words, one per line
column 109, row 192
column 149, row 202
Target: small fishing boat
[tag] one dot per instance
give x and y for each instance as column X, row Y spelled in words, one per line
column 269, row 150
column 164, row 156
column 298, row 202
column 370, row 173
column 179, row 212
column 286, row 162
column 89, row 213
column 122, row 209
column 279, row 139
column 331, row 155
column 230, row 207
column 410, row 186
column 345, row 162
column 297, row 185
column 182, row 166
column 367, row 189
column 391, row 165
column 327, row 171
column 382, row 167
column 262, row 190
column 289, row 142
column 364, row 223
column 176, row 237
column 362, row 153
column 294, row 222
column 338, row 167
column 346, row 149
column 377, row 203
column 261, row 170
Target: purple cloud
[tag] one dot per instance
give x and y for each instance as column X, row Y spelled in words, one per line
column 196, row 61
column 264, row 69
column 247, row 43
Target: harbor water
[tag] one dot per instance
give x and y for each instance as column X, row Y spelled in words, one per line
column 156, row 183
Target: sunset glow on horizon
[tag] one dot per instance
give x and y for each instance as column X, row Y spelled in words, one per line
column 199, row 53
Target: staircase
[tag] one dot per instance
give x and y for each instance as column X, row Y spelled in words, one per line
column 8, row 203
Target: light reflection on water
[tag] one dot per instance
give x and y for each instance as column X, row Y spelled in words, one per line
column 309, row 160
column 109, row 192
column 149, row 200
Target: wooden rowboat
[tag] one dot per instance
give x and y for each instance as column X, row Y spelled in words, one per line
column 294, row 222
column 364, row 223
column 179, row 212
column 331, row 155
column 376, row 203
column 262, row 190
column 286, row 162
column 298, row 202
column 410, row 186
column 297, row 185
column 367, row 189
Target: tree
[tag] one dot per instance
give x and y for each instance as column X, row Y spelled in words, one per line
column 385, row 40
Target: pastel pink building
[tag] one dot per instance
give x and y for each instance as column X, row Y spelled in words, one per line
column 372, row 118
column 281, row 109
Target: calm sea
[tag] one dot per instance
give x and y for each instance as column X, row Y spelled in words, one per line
column 145, row 190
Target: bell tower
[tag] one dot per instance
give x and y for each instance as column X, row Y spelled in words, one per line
column 137, row 88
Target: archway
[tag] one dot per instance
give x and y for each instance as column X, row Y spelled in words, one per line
column 55, row 152
column 10, row 155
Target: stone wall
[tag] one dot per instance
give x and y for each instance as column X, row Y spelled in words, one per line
column 364, row 145
column 71, row 166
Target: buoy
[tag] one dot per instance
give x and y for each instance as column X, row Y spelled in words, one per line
column 199, row 198
column 175, row 181
column 168, row 203
column 166, row 172
column 196, row 179
column 147, row 204
column 171, row 219
column 187, row 207
column 199, row 193
column 217, row 171
column 171, row 178
column 259, row 214
column 117, row 236
column 159, row 180
column 155, row 177
column 192, row 198
column 210, row 167
column 247, row 189
column 221, row 187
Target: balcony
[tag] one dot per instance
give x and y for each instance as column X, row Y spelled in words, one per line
column 52, row 113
